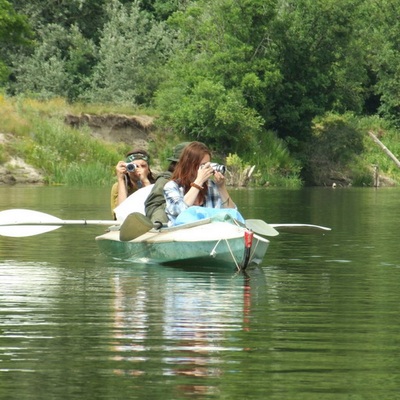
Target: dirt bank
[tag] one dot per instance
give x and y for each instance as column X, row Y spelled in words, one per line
column 132, row 130
column 135, row 130
column 15, row 170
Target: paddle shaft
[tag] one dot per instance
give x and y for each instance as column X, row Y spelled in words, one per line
column 25, row 221
column 300, row 228
column 61, row 222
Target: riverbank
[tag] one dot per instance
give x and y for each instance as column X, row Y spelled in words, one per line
column 57, row 143
column 16, row 170
column 116, row 130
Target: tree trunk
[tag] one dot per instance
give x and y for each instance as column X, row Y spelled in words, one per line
column 384, row 148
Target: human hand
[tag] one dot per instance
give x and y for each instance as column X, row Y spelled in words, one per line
column 219, row 178
column 120, row 169
column 142, row 173
column 204, row 172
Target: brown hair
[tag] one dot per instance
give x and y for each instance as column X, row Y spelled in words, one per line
column 186, row 168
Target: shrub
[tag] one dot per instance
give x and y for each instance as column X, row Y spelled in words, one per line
column 336, row 141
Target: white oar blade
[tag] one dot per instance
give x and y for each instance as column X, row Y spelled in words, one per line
column 21, row 223
column 21, row 216
column 261, row 227
column 26, row 230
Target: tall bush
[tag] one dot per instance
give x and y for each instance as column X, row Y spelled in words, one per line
column 59, row 65
column 14, row 32
column 132, row 48
column 336, row 143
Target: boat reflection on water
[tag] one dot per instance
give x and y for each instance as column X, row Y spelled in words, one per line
column 173, row 324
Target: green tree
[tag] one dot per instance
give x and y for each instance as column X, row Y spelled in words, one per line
column 132, row 48
column 381, row 33
column 283, row 62
column 163, row 9
column 335, row 143
column 59, row 65
column 221, row 73
column 14, row 32
column 316, row 40
column 88, row 15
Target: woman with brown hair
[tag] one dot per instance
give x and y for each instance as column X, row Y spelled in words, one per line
column 191, row 184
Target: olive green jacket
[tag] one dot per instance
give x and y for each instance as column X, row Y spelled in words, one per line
column 155, row 202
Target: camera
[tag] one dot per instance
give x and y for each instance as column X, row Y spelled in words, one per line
column 218, row 168
column 131, row 167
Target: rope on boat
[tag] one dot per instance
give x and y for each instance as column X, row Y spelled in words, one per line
column 255, row 248
column 233, row 257
column 213, row 251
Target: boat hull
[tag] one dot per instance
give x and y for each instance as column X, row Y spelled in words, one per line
column 210, row 243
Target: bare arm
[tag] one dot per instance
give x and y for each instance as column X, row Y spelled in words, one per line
column 226, row 200
column 121, row 179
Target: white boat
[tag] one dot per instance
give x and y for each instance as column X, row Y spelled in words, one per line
column 202, row 242
column 207, row 241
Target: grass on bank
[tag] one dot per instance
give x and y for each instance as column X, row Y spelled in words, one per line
column 64, row 155
column 373, row 154
column 73, row 157
column 363, row 166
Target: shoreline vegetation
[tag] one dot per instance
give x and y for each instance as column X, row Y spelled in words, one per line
column 55, row 143
column 292, row 88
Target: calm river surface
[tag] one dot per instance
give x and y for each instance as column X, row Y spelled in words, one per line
column 319, row 319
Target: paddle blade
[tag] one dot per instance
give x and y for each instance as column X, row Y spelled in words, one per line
column 21, row 223
column 261, row 227
column 26, row 230
column 135, row 225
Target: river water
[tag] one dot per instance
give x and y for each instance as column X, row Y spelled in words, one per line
column 318, row 319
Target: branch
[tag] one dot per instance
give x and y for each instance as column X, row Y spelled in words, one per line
column 384, row 148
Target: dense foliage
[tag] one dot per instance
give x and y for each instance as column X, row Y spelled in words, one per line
column 14, row 32
column 231, row 73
